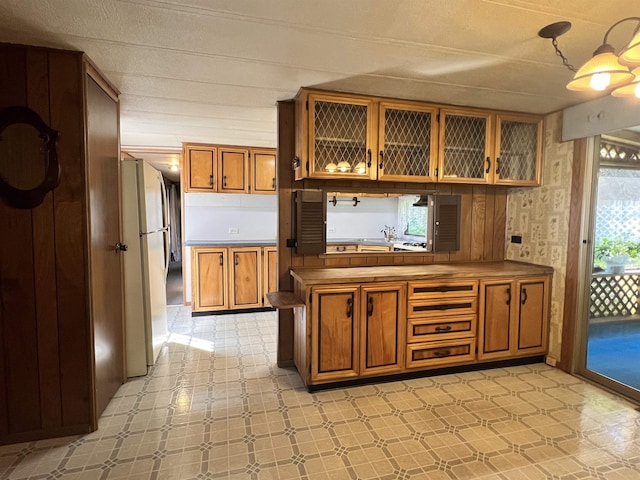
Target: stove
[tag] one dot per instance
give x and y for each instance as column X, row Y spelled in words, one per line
column 410, row 246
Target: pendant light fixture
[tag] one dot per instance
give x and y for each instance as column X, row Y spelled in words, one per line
column 606, row 70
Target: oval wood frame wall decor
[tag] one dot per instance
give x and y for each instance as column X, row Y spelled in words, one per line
column 19, row 198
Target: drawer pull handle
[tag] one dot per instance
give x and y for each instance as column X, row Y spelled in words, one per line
column 443, row 329
column 442, row 353
column 370, row 306
column 349, row 307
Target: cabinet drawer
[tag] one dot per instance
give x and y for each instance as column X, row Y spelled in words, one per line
column 342, row 248
column 442, row 307
column 443, row 289
column 421, row 330
column 436, row 354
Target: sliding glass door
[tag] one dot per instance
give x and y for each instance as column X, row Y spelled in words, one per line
column 612, row 333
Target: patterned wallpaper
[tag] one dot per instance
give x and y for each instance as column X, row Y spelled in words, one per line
column 541, row 216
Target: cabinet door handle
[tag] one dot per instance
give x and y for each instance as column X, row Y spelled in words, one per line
column 524, row 296
column 488, row 165
column 210, row 179
column 273, row 183
column 370, row 306
column 349, row 307
column 508, row 295
column 369, row 156
column 224, row 181
column 381, row 159
column 498, row 165
column 236, row 259
column 443, row 329
column 220, row 260
column 442, row 353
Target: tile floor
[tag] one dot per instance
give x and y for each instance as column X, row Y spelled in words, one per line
column 215, row 406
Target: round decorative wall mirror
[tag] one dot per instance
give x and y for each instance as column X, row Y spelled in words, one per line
column 29, row 166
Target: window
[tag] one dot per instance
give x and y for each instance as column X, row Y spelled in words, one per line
column 412, row 220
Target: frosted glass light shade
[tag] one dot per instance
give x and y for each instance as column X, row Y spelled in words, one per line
column 630, row 90
column 361, row 168
column 593, row 74
column 344, row 166
column 630, row 55
column 331, row 167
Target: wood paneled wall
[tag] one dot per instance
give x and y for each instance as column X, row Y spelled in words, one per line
column 483, row 224
column 46, row 361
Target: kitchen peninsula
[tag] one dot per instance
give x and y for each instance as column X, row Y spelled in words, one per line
column 361, row 322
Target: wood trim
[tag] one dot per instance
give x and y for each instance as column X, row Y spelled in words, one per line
column 92, row 71
column 572, row 280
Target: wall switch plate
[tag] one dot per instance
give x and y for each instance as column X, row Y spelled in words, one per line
column 233, row 230
column 516, row 238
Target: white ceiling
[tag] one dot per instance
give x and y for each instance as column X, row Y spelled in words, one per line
column 212, row 71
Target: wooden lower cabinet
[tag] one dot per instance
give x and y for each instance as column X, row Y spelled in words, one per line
column 357, row 331
column 231, row 278
column 246, row 277
column 209, row 279
column 353, row 331
column 514, row 317
column 270, row 269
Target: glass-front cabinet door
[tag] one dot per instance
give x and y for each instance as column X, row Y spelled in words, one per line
column 340, row 130
column 407, row 139
column 518, row 150
column 465, row 146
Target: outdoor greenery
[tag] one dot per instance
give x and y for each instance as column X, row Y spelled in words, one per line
column 606, row 249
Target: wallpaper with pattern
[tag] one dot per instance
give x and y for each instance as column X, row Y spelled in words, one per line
column 541, row 216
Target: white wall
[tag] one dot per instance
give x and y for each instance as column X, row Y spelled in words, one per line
column 366, row 220
column 209, row 217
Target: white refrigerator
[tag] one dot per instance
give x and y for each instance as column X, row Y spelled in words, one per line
column 146, row 261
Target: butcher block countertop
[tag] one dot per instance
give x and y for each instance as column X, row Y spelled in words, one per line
column 395, row 273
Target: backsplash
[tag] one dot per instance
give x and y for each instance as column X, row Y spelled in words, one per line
column 541, row 216
column 220, row 216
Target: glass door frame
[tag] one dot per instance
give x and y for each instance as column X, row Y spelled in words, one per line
column 585, row 268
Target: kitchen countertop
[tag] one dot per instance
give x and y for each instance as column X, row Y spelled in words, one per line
column 375, row 273
column 229, row 243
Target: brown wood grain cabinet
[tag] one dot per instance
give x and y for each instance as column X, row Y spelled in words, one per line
column 246, row 277
column 361, row 322
column 201, row 168
column 350, row 136
column 228, row 169
column 232, row 278
column 263, row 171
column 514, row 317
column 270, row 269
column 209, row 279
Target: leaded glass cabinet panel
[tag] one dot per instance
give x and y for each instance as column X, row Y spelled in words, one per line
column 340, row 140
column 465, row 146
column 518, row 150
column 407, row 143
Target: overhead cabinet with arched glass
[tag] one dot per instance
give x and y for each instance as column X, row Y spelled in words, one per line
column 343, row 136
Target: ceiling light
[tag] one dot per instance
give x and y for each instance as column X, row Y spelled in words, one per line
column 174, row 167
column 630, row 89
column 606, row 69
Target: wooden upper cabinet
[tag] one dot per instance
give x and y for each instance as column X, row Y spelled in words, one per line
column 407, row 142
column 338, row 137
column 263, row 171
column 518, row 150
column 200, row 168
column 232, row 170
column 465, row 146
column 345, row 136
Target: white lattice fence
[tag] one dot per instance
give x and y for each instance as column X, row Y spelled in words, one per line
column 614, row 295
